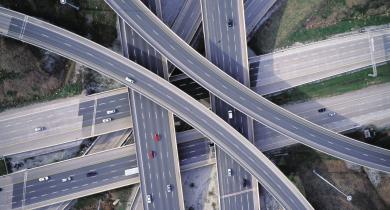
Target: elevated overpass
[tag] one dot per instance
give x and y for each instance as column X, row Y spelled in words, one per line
column 60, row 41
column 242, row 98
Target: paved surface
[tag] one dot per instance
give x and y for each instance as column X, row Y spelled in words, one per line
column 242, row 98
column 226, row 47
column 281, row 70
column 255, row 11
column 65, row 121
column 150, row 119
column 354, row 109
column 109, row 165
column 368, row 105
column 255, row 162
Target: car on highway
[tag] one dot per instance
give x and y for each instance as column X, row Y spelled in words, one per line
column 322, row 110
column 229, row 172
column 91, row 173
column 230, row 114
column 37, row 129
column 111, row 111
column 130, row 80
column 331, row 114
column 151, row 154
column 169, row 188
column 156, row 137
column 45, row 178
column 230, row 23
column 245, row 182
column 149, row 198
column 106, row 120
column 69, row 178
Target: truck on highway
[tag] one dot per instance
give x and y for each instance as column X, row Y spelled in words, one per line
column 131, row 171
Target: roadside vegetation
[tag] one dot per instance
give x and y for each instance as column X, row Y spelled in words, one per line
column 29, row 75
column 3, row 169
column 313, row 20
column 105, row 200
column 334, row 86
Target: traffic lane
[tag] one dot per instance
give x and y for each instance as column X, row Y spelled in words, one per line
column 167, row 163
column 216, row 78
column 40, row 191
column 150, row 169
column 145, row 86
column 344, row 110
column 12, row 128
column 195, row 149
column 234, row 183
column 237, row 201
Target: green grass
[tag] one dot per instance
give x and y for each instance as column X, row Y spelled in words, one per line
column 304, row 35
column 313, row 20
column 3, row 170
column 334, row 86
column 67, row 90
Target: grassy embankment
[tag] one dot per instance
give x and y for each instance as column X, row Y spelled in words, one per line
column 335, row 86
column 313, row 20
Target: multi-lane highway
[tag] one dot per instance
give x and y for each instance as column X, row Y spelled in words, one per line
column 225, row 44
column 242, row 98
column 154, row 130
column 363, row 106
column 65, row 121
column 285, row 69
column 31, row 30
column 23, row 190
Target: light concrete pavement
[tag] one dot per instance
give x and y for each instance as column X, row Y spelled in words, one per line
column 65, row 121
column 288, row 68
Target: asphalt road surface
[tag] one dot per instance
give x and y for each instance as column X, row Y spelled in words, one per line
column 242, row 98
column 226, row 48
column 109, row 63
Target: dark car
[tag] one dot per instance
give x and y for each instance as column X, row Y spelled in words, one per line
column 245, row 182
column 230, row 23
column 1, row 189
column 322, row 110
column 92, row 173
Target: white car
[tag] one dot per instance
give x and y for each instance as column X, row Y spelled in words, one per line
column 229, row 172
column 37, row 129
column 169, row 188
column 42, row 179
column 112, row 111
column 106, row 120
column 130, row 80
column 331, row 114
column 69, row 178
column 149, row 198
column 230, row 114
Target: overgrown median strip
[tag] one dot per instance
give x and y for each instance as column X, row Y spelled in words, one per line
column 335, row 86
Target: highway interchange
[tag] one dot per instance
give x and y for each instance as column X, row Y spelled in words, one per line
column 32, row 30
column 242, row 98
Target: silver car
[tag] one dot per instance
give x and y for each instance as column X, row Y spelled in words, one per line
column 106, row 120
column 149, row 198
column 112, row 111
column 37, row 129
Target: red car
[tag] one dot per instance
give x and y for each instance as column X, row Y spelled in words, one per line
column 156, row 137
column 151, row 154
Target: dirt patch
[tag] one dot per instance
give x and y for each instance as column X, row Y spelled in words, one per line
column 299, row 166
column 200, row 188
